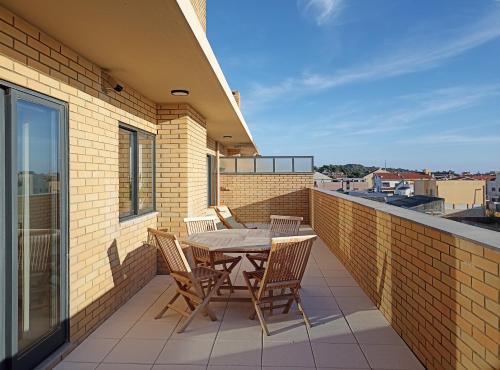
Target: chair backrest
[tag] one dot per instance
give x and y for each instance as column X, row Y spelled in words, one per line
column 196, row 225
column 286, row 225
column 40, row 247
column 228, row 218
column 213, row 213
column 287, row 262
column 171, row 250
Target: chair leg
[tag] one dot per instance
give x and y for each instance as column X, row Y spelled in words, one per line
column 164, row 309
column 203, row 306
column 304, row 315
column 260, row 315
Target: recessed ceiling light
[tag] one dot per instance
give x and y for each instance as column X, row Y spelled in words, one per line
column 227, row 137
column 179, row 92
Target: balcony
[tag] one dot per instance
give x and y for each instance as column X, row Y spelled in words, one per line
column 386, row 288
column 348, row 331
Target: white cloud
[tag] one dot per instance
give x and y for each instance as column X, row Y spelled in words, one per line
column 452, row 139
column 322, row 11
column 420, row 110
column 415, row 56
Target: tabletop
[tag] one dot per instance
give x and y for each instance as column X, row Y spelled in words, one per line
column 235, row 240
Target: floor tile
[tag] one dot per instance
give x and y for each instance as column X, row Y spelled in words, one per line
column 201, row 328
column 184, row 351
column 236, row 352
column 231, row 367
column 157, row 329
column 286, row 328
column 313, row 280
column 179, row 367
column 287, row 354
column 67, row 365
column 113, row 328
column 339, row 355
column 315, row 291
column 391, row 357
column 287, row 368
column 233, row 329
column 335, row 330
column 123, row 367
column 350, row 304
column 135, row 351
column 92, row 350
column 341, row 281
column 323, row 303
column 347, row 291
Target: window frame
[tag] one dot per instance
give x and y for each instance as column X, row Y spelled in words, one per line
column 135, row 211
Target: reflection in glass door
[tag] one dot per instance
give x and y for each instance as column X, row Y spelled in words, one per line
column 38, row 238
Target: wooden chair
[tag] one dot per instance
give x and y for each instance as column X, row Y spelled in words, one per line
column 201, row 254
column 230, row 219
column 195, row 225
column 285, row 269
column 281, row 226
column 195, row 285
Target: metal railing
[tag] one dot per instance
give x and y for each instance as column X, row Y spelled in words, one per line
column 266, row 164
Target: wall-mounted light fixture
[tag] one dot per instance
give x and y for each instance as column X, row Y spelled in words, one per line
column 179, row 92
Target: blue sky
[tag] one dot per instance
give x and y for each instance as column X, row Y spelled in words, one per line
column 416, row 83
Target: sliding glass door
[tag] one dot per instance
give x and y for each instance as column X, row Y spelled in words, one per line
column 36, row 225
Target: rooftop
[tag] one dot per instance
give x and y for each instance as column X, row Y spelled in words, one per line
column 402, row 176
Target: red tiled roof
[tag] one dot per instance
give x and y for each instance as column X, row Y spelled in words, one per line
column 476, row 177
column 402, row 176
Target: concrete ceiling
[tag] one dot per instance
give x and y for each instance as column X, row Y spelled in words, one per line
column 154, row 46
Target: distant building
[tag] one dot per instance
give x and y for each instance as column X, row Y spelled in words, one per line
column 344, row 184
column 404, row 188
column 458, row 194
column 419, row 203
column 369, row 178
column 386, row 182
column 493, row 195
column 320, row 178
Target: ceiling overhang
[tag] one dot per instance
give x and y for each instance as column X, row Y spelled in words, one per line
column 153, row 46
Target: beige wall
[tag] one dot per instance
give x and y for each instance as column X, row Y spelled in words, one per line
column 256, row 197
column 439, row 291
column 461, row 193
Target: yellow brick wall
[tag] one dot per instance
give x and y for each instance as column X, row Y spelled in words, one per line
column 107, row 261
column 200, row 7
column 256, row 197
column 439, row 291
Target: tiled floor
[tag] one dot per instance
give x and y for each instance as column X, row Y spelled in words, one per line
column 348, row 331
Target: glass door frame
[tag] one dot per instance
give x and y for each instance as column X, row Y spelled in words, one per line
column 34, row 355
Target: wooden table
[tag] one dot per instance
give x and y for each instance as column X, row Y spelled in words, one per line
column 235, row 241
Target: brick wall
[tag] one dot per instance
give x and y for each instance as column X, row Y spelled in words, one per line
column 439, row 291
column 108, row 262
column 200, row 7
column 256, row 197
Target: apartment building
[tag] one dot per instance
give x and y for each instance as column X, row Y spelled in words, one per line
column 458, row 194
column 114, row 112
column 493, row 188
column 116, row 118
column 386, row 182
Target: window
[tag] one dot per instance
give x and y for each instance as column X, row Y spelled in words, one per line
column 227, row 165
column 136, row 157
column 264, row 165
column 283, row 165
column 212, row 180
column 245, row 165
